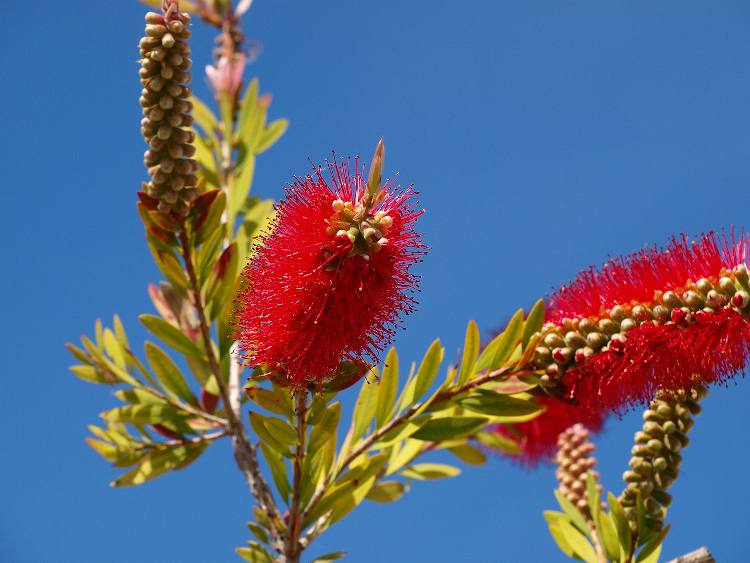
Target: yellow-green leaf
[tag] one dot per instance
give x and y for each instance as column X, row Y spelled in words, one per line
column 169, row 374
column 449, row 427
column 470, row 353
column 273, row 133
column 534, row 321
column 386, row 491
column 424, row 471
column 387, row 388
column 170, row 335
column 364, row 408
column 496, row 405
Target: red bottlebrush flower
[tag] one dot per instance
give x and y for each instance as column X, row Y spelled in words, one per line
column 537, row 438
column 332, row 276
column 658, row 319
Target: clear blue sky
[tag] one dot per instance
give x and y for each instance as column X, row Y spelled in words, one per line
column 543, row 135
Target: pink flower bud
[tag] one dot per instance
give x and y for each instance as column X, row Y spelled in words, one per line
column 226, row 76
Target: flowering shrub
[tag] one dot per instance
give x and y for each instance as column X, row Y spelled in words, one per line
column 270, row 312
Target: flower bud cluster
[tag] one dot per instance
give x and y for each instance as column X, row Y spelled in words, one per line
column 166, row 122
column 656, row 457
column 574, row 340
column 575, row 461
column 365, row 230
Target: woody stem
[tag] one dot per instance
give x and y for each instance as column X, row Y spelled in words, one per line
column 293, row 547
column 244, row 451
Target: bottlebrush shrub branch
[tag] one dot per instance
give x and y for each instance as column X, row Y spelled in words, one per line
column 659, row 319
column 332, row 275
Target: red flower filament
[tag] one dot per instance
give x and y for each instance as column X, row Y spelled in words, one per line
column 666, row 318
column 331, row 278
column 657, row 319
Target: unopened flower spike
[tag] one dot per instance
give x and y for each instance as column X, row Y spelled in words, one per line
column 166, row 123
column 330, row 279
column 659, row 319
column 656, row 455
column 575, row 462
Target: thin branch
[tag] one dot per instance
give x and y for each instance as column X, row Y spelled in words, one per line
column 403, row 417
column 315, row 530
column 293, row 549
column 700, row 555
column 244, row 452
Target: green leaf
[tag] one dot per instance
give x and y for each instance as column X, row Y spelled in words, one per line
column 258, row 531
column 89, row 374
column 387, row 388
column 152, row 413
column 204, row 155
column 169, row 374
column 278, row 434
column 170, row 335
column 277, row 465
column 113, row 349
column 624, row 533
column 248, row 107
column 280, row 429
column 210, row 228
column 333, row 556
column 424, row 471
column 322, row 431
column 386, row 491
column 559, row 537
column 273, row 133
column 225, row 109
column 118, row 372
column 577, row 541
column 403, row 455
column 652, row 545
column 496, row 405
column 276, row 401
column 448, row 427
column 204, row 116
column 137, row 396
column 500, row 349
column 608, row 535
column 428, row 369
column 350, row 489
column 470, row 353
column 171, row 268
column 122, row 338
column 79, row 354
column 240, row 186
column 652, row 557
column 497, row 442
column 573, row 513
column 534, row 321
column 592, row 495
column 401, row 431
column 553, row 518
column 159, row 461
column 255, row 553
column 364, row 409
column 468, row 454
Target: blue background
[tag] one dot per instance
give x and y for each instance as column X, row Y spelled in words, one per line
column 543, row 136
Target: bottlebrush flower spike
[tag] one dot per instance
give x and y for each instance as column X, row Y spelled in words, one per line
column 331, row 278
column 659, row 319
